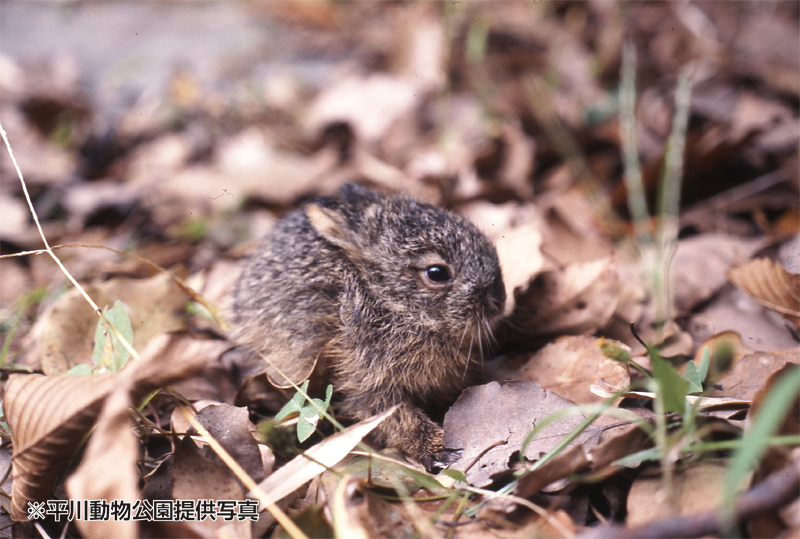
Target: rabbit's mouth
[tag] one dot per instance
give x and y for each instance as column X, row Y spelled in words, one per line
column 477, row 340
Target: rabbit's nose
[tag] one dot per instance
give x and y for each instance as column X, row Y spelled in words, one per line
column 497, row 297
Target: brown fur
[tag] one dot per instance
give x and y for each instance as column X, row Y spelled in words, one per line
column 346, row 281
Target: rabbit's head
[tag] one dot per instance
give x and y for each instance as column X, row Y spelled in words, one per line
column 426, row 265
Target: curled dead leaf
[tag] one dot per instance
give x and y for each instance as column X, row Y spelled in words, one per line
column 49, row 417
column 771, row 285
column 699, row 266
column 114, row 448
column 580, row 298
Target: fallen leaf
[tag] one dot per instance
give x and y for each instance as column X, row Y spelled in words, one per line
column 13, row 218
column 580, row 298
column 156, row 305
column 231, row 427
column 520, row 257
column 726, row 349
column 698, row 488
column 490, row 422
column 316, row 460
column 749, row 373
column 771, row 285
column 570, row 228
column 240, row 170
column 113, row 448
column 568, row 367
column 700, row 263
column 369, row 104
column 351, row 518
column 733, row 310
column 196, row 475
column 50, row 415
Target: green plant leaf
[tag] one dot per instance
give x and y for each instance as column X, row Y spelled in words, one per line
column 762, row 427
column 310, row 411
column 108, row 349
column 79, row 370
column 423, row 479
column 294, row 405
column 458, row 475
column 697, row 375
column 705, row 361
column 692, row 375
column 307, row 423
column 672, row 387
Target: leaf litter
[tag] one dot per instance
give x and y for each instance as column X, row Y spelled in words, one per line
column 508, row 116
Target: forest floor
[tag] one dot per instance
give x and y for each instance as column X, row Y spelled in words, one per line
column 635, row 164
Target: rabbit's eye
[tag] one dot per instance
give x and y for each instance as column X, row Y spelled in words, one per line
column 438, row 273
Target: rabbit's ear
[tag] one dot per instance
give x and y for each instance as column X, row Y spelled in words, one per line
column 333, row 226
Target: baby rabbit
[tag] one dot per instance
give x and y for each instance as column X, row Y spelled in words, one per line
column 396, row 297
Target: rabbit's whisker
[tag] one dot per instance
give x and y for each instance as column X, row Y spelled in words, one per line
column 469, row 355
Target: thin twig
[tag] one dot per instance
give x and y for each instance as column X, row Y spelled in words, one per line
column 774, row 492
column 52, row 254
column 180, row 283
column 288, row 525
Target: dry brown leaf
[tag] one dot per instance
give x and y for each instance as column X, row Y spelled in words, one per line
column 196, row 476
column 155, row 305
column 423, row 56
column 520, row 257
column 48, row 417
column 615, row 444
column 580, row 298
column 360, row 513
column 42, row 161
column 732, row 310
column 568, row 367
column 216, row 381
column 490, row 422
column 572, row 460
column 13, row 218
column 87, row 199
column 108, row 470
column 240, row 171
column 771, row 285
column 697, row 489
column 322, row 456
column 16, row 280
column 699, row 266
column 570, row 229
column 725, row 349
column 352, row 518
column 370, row 105
column 231, row 427
column 515, row 170
column 749, row 374
column 516, row 233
